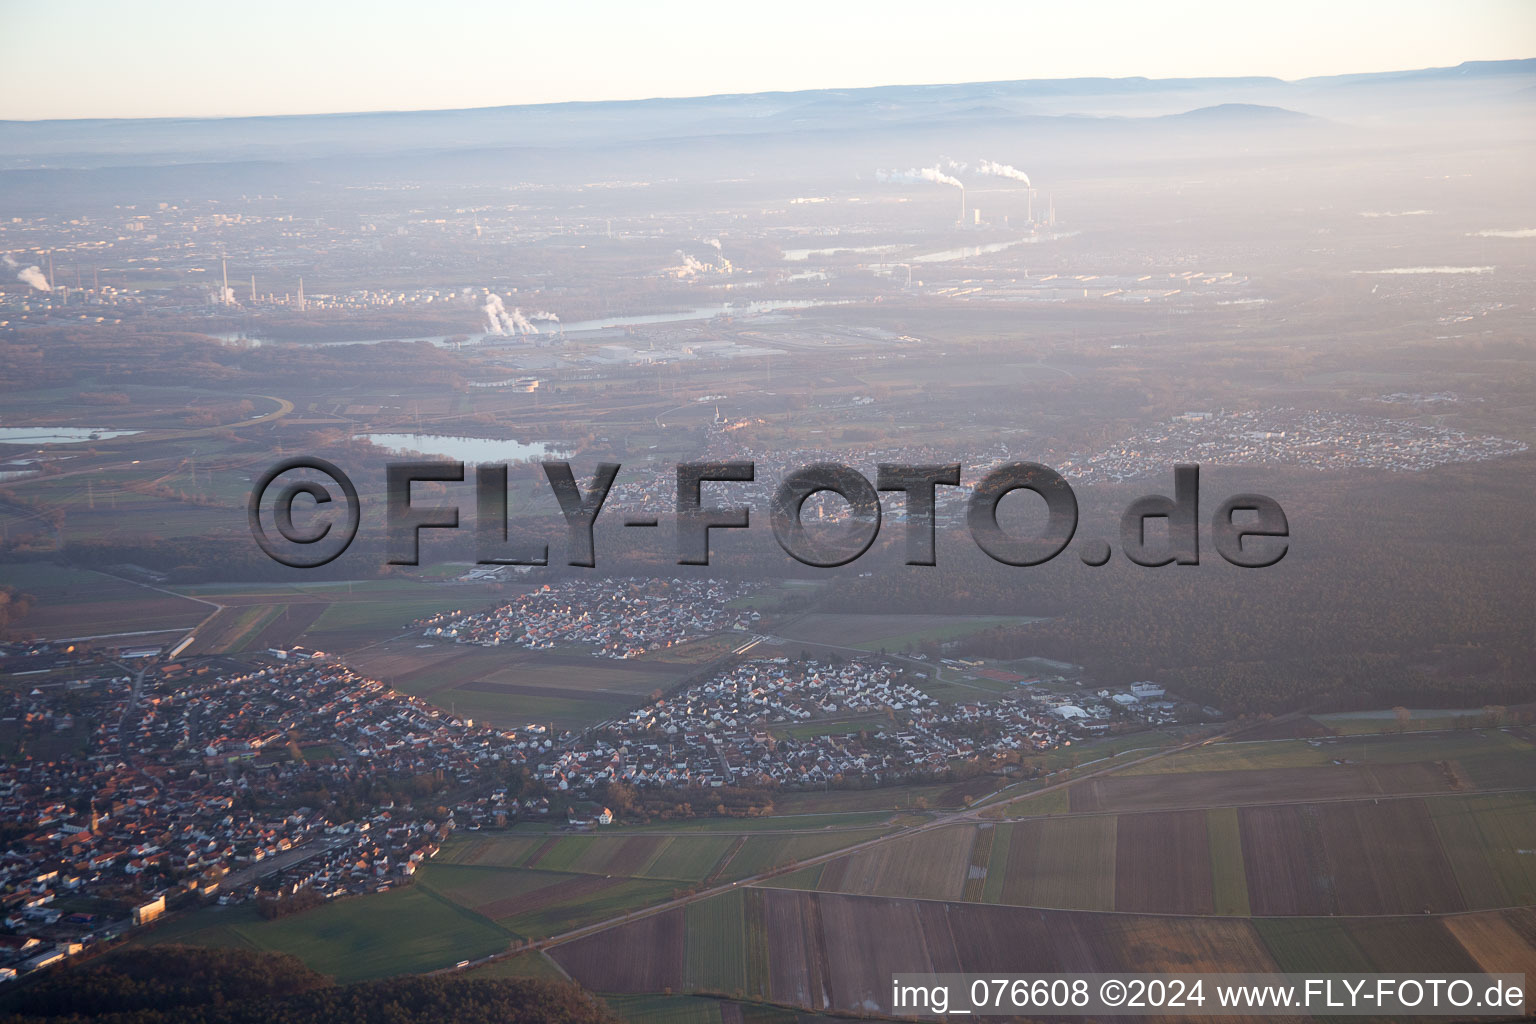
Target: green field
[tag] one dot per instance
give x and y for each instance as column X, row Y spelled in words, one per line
column 763, row 853
column 1309, row 944
column 997, row 865
column 1260, row 755
column 401, row 931
column 626, row 895
column 1350, row 723
column 524, row 965
column 536, row 902
column 716, row 943
column 1060, row 862
column 1490, row 841
column 1057, row 801
column 1229, row 880
column 664, row 1009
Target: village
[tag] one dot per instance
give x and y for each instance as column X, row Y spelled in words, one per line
column 748, row 725
column 203, row 784
column 616, row 618
column 288, row 779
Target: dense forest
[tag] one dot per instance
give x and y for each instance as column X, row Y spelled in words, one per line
column 189, row 985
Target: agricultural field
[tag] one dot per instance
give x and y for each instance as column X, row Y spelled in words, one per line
column 930, row 865
column 1163, row 863
column 69, row 604
column 716, row 944
column 1373, row 856
column 688, row 858
column 1267, row 755
column 834, row 952
column 1060, row 862
column 1348, row 723
column 832, row 800
column 760, row 853
column 1229, row 881
column 889, row 632
column 1381, row 857
column 531, row 903
column 510, row 687
column 1239, row 788
column 1483, row 837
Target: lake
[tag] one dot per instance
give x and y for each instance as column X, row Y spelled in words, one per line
column 463, row 449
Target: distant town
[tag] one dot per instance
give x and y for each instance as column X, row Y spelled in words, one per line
column 288, row 778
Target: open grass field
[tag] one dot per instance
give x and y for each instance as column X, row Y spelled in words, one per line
column 524, row 965
column 1057, row 801
column 401, row 931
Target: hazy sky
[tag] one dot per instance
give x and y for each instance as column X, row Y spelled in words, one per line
column 156, row 58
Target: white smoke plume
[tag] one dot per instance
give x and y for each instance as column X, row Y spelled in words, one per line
column 690, row 264
column 997, row 170
column 494, row 313
column 521, row 324
column 499, row 320
column 918, row 174
column 715, row 242
column 10, row 261
column 227, row 296
column 544, row 315
column 34, row 277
